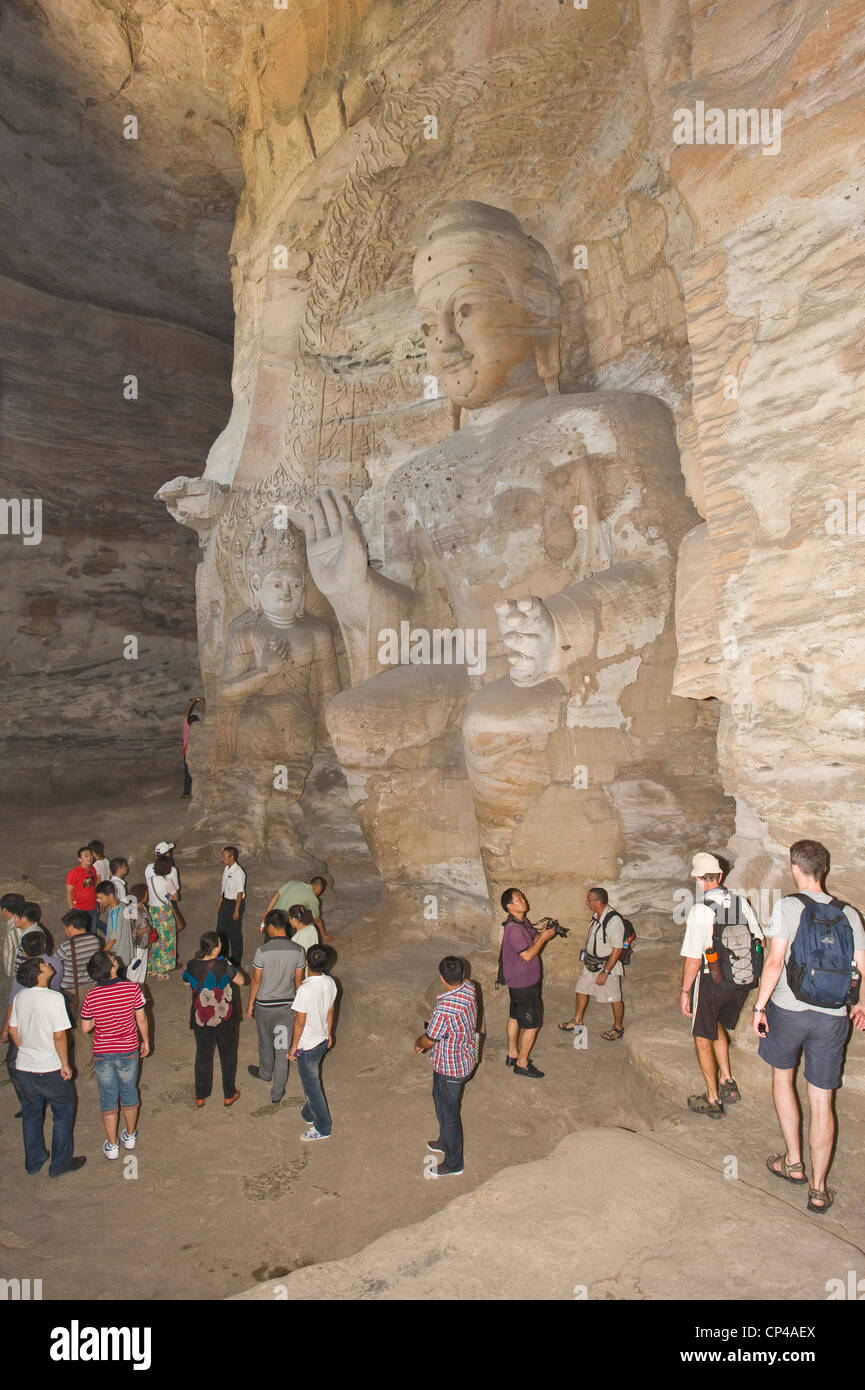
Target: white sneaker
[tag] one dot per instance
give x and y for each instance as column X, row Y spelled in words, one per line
column 312, row 1133
column 129, row 1140
column 111, row 1150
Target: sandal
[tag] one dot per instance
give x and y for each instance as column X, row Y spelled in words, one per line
column 787, row 1169
column 613, row 1034
column 570, row 1026
column 828, row 1196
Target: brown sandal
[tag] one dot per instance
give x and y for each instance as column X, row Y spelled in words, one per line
column 787, row 1169
column 828, row 1196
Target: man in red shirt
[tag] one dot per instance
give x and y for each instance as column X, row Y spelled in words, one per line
column 81, row 886
column 114, row 1013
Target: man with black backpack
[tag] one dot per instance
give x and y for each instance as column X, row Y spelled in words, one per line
column 807, row 996
column 722, row 948
column 609, row 940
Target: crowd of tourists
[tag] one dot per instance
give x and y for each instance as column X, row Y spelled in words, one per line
column 806, row 968
column 115, row 937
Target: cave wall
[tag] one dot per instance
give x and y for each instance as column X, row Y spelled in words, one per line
column 110, row 565
column 773, row 292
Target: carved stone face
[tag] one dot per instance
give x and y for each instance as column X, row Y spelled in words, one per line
column 479, row 339
column 280, row 594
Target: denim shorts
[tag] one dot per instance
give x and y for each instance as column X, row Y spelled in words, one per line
column 117, row 1079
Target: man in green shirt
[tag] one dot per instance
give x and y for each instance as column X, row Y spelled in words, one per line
column 301, row 894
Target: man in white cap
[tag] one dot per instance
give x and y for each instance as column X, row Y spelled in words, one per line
column 720, row 967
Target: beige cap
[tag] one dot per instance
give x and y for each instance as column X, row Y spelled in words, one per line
column 705, row 864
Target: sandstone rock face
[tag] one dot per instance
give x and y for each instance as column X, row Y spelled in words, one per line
column 111, row 573
column 772, row 287
column 121, row 176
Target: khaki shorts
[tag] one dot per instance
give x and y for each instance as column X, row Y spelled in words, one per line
column 610, row 992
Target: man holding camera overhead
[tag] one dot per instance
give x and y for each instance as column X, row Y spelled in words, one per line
column 520, row 970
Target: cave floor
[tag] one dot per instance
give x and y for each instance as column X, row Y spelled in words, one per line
column 220, row 1201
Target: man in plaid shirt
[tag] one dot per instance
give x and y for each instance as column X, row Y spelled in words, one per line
column 450, row 1034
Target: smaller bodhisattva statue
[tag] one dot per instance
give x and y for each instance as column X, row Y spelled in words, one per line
column 280, row 671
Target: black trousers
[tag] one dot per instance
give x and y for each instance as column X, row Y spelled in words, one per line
column 224, row 1038
column 231, row 932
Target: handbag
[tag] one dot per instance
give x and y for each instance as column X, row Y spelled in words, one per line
column 173, row 908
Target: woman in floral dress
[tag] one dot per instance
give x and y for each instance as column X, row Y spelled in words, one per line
column 163, row 894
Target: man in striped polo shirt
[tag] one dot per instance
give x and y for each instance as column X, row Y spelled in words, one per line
column 450, row 1035
column 114, row 1013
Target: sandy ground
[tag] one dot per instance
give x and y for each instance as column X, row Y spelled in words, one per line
column 220, row 1200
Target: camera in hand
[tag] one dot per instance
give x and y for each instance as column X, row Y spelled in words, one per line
column 557, row 927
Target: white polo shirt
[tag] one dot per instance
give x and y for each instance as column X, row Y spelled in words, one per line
column 233, row 881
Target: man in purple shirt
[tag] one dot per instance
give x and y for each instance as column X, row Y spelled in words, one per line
column 522, row 944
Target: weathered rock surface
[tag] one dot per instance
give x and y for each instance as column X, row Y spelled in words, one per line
column 535, row 1229
column 111, row 566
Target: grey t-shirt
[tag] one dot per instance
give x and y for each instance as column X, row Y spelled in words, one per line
column 785, row 919
column 278, row 959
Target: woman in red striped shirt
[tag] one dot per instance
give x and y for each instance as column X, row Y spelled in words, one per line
column 114, row 1013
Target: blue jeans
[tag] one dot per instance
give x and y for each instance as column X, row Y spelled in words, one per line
column 117, row 1080
column 37, row 1087
column 11, row 1054
column 446, row 1099
column 315, row 1112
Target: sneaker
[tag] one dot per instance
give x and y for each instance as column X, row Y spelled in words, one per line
column 530, row 1070
column 73, row 1167
column 701, row 1105
column 440, row 1171
column 510, row 1061
column 129, row 1140
column 435, row 1148
column 728, row 1092
column 312, row 1134
column 111, row 1150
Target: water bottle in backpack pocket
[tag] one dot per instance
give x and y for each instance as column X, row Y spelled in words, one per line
column 738, row 954
column 820, row 970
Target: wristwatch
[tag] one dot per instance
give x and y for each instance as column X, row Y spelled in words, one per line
column 758, row 1011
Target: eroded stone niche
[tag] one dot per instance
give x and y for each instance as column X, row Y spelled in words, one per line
column 701, row 265
column 547, row 117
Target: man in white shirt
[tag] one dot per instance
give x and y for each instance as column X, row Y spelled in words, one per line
column 313, row 1036
column 38, row 1025
column 602, row 972
column 231, row 905
column 717, row 1002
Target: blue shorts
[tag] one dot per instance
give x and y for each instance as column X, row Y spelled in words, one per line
column 117, row 1079
column 822, row 1037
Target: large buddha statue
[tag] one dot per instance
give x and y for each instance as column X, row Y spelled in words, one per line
column 551, row 523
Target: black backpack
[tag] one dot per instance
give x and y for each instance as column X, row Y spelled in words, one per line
column 630, row 935
column 820, row 968
column 740, row 954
